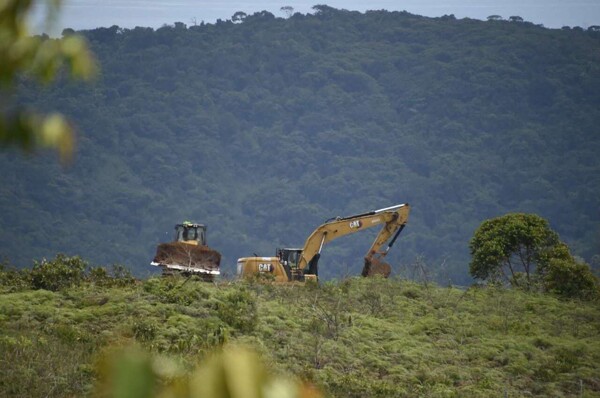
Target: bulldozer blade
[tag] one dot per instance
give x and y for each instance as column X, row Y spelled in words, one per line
column 375, row 266
column 183, row 257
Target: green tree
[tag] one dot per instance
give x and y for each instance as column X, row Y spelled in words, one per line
column 287, row 10
column 239, row 16
column 41, row 58
column 514, row 247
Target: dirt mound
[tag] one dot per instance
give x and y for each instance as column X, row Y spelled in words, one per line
column 376, row 267
column 186, row 255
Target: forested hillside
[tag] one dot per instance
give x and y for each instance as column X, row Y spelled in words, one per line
column 265, row 128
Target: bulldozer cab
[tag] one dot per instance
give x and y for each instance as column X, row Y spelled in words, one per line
column 191, row 233
column 289, row 257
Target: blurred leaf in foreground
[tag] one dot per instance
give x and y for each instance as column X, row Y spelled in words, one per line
column 40, row 58
column 234, row 372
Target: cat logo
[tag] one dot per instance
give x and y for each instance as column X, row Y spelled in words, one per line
column 355, row 224
column 262, row 267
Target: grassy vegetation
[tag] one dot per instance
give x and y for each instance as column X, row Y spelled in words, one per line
column 353, row 338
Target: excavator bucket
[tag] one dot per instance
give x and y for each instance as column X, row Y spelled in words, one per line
column 185, row 258
column 375, row 266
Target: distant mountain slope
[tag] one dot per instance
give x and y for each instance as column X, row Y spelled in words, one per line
column 264, row 129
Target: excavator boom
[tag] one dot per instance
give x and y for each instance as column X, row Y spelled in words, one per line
column 393, row 219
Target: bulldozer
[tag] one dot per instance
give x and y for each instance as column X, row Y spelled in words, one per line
column 188, row 254
column 301, row 264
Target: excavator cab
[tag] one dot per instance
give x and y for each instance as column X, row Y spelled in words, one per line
column 289, row 257
column 191, row 233
column 290, row 260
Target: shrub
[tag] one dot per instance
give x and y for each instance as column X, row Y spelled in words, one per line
column 372, row 300
column 238, row 309
column 122, row 276
column 571, row 279
column 176, row 290
column 99, row 276
column 144, row 330
column 119, row 277
column 411, row 293
column 59, row 273
column 14, row 280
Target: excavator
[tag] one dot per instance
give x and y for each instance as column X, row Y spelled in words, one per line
column 188, row 254
column 301, row 264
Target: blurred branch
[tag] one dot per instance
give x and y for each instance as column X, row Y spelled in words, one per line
column 38, row 58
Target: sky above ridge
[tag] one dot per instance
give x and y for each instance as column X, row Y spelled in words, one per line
column 90, row 14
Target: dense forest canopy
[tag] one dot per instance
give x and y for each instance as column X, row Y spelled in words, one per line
column 265, row 127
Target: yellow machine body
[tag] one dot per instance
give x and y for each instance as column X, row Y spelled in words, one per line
column 188, row 253
column 300, row 264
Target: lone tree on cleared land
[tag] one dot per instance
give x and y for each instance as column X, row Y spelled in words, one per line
column 523, row 250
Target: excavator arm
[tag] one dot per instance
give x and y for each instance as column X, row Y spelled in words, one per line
column 392, row 218
column 374, row 263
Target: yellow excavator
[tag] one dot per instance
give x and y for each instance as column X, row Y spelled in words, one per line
column 188, row 254
column 301, row 264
